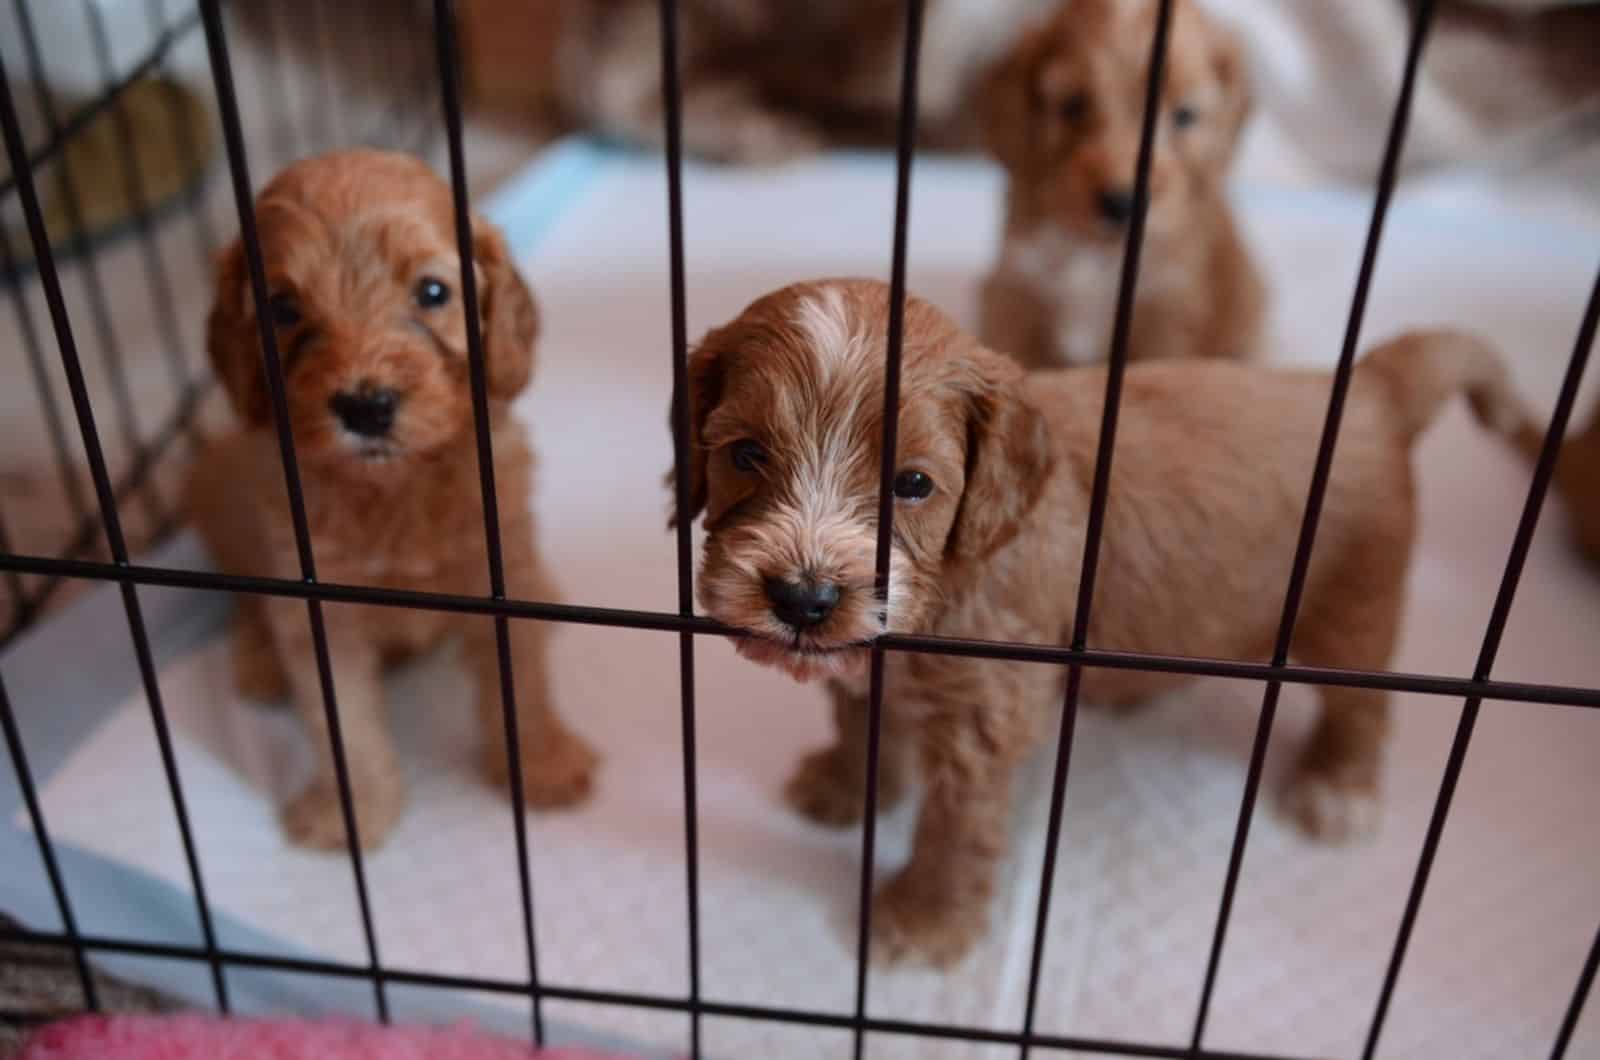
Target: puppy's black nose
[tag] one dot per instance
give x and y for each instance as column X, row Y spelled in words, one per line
column 802, row 604
column 1116, row 205
column 367, row 410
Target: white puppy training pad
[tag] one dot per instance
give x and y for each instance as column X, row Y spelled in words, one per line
column 1153, row 795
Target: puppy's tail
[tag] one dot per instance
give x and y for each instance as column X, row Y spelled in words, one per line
column 1421, row 370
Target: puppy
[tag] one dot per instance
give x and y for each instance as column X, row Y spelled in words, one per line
column 762, row 80
column 1063, row 115
column 992, row 492
column 360, row 254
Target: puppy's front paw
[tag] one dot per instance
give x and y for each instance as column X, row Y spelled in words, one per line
column 315, row 817
column 557, row 771
column 911, row 925
column 829, row 787
column 1331, row 808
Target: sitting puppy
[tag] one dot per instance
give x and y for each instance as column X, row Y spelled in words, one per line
column 1063, row 116
column 360, row 254
column 992, row 491
column 763, row 80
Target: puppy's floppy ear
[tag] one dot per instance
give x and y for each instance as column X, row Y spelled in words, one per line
column 510, row 317
column 233, row 342
column 705, row 392
column 1008, row 455
column 1230, row 58
column 1007, row 101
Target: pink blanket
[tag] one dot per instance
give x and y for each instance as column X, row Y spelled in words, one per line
column 189, row 1037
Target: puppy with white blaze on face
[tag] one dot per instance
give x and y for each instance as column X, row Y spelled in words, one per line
column 991, row 492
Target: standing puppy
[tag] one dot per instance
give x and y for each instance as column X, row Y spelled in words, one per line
column 1063, row 115
column 991, row 496
column 360, row 255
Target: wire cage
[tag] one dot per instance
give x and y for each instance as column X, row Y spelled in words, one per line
column 121, row 462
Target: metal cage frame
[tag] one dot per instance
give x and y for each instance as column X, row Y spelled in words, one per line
column 130, row 576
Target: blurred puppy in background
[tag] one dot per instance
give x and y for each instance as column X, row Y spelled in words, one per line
column 360, row 254
column 991, row 493
column 1063, row 115
column 765, row 80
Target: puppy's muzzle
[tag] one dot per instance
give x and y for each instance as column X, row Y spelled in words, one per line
column 802, row 605
column 367, row 410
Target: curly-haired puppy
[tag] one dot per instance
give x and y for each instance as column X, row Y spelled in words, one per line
column 1064, row 112
column 763, row 79
column 992, row 491
column 360, row 254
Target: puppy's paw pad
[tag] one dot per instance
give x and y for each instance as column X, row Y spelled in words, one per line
column 1331, row 812
column 822, row 791
column 559, row 772
column 907, row 928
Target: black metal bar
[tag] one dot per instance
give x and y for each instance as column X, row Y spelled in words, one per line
column 1544, row 470
column 188, row 149
column 90, row 528
column 66, row 467
column 73, row 368
column 47, row 850
column 1099, row 497
column 23, row 608
column 623, row 999
column 672, row 97
column 621, row 618
column 1388, row 175
column 1580, row 994
column 85, row 116
column 905, row 154
column 99, row 310
column 139, row 203
column 238, row 165
column 450, row 96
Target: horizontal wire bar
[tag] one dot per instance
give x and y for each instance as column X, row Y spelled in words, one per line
column 622, row 618
column 82, row 118
column 628, row 999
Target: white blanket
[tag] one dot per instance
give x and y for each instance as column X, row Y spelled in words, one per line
column 1153, row 796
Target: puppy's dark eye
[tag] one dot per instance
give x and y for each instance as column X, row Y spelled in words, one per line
column 283, row 310
column 912, row 486
column 747, row 454
column 1185, row 116
column 1074, row 107
column 432, row 293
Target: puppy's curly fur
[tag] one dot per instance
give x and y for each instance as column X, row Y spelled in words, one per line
column 350, row 240
column 1063, row 113
column 1213, row 460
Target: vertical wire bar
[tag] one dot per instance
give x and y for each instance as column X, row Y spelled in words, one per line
column 188, row 147
column 1495, row 630
column 1388, row 175
column 99, row 311
column 672, row 97
column 139, row 203
column 66, row 469
column 905, row 154
column 47, row 851
column 73, row 367
column 1580, row 994
column 450, row 98
column 1100, row 493
column 239, row 169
